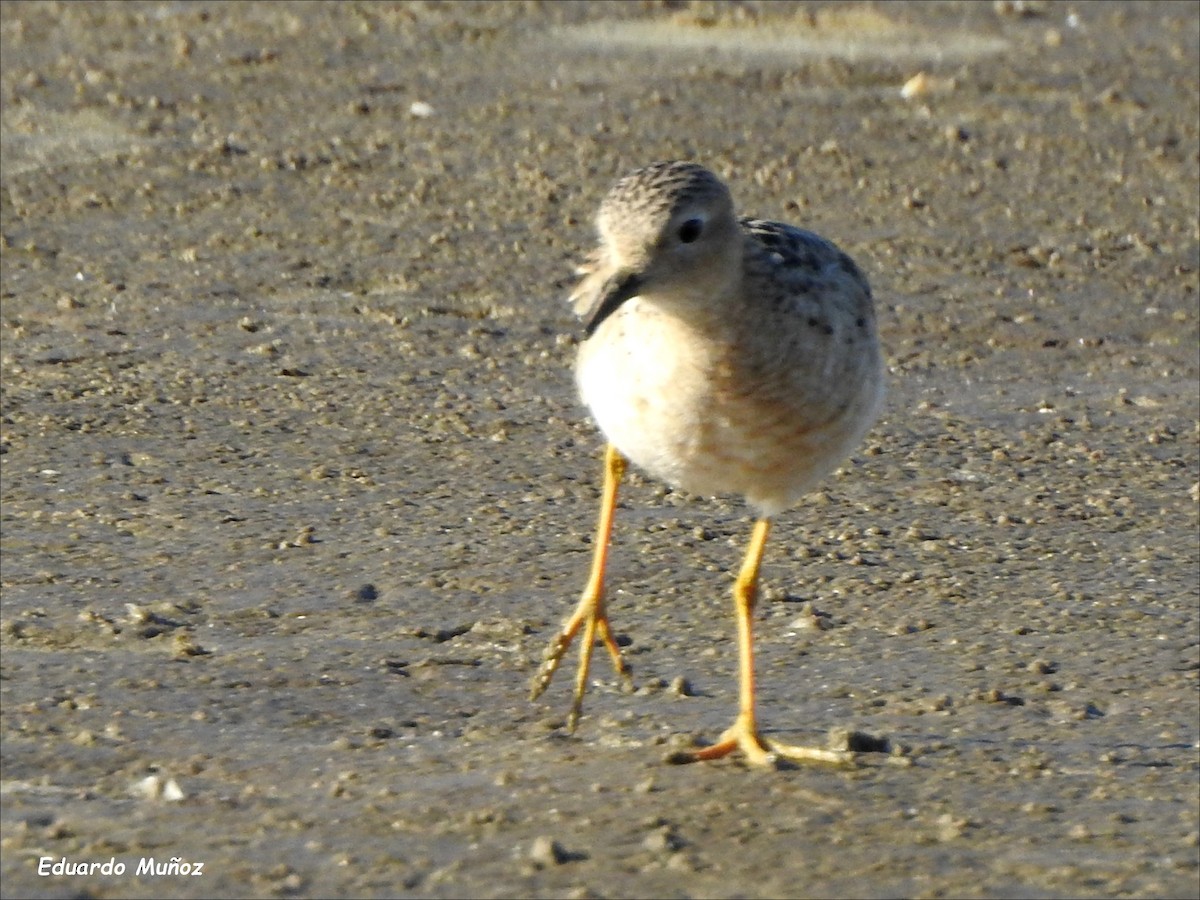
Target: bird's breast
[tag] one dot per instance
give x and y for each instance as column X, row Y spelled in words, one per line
column 714, row 413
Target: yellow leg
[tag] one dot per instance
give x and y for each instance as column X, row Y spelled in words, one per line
column 743, row 734
column 590, row 613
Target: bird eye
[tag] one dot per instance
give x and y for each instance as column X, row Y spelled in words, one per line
column 690, row 230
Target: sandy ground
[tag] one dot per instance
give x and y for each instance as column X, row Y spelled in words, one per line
column 296, row 486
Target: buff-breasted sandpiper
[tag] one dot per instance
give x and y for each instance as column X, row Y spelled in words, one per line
column 722, row 355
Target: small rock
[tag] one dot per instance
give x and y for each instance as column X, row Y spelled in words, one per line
column 681, row 687
column 857, row 741
column 662, row 840
column 545, row 852
column 153, row 787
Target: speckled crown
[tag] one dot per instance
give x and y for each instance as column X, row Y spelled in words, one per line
column 659, row 189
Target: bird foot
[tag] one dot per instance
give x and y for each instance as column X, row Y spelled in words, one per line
column 551, row 658
column 594, row 621
column 758, row 751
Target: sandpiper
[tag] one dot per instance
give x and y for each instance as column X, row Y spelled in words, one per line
column 722, row 355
